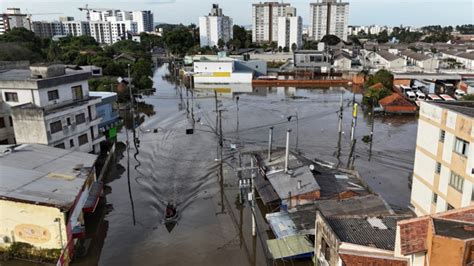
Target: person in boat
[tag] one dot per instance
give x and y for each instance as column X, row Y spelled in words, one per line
column 170, row 210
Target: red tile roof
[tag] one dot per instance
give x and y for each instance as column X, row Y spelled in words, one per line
column 367, row 260
column 395, row 100
column 413, row 232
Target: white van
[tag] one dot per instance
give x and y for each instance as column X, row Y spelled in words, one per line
column 459, row 94
column 420, row 96
column 404, row 89
column 411, row 95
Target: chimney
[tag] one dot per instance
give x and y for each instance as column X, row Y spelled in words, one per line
column 287, row 153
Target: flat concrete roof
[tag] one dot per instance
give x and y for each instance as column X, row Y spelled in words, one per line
column 463, row 107
column 43, row 175
column 21, row 79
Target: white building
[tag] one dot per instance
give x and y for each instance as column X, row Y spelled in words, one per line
column 47, row 29
column 51, row 105
column 265, row 20
column 13, row 18
column 144, row 20
column 465, row 58
column 215, row 27
column 443, row 174
column 290, row 32
column 385, row 60
column 328, row 17
column 76, row 28
column 101, row 31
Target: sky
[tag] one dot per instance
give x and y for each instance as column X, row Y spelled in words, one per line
column 362, row 12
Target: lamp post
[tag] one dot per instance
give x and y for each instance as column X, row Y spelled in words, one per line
column 297, row 127
column 58, row 220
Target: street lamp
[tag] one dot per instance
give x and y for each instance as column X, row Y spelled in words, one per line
column 297, row 128
column 58, row 220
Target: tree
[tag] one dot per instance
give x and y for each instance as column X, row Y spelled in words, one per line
column 179, row 40
column 273, row 46
column 280, row 49
column 330, row 39
column 286, row 49
column 220, row 44
column 383, row 76
column 294, row 47
column 468, row 97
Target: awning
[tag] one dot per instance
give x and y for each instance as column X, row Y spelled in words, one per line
column 79, row 231
column 281, row 224
column 294, row 247
column 93, row 198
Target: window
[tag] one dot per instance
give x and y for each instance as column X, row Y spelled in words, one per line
column 77, row 92
column 83, row 139
column 438, row 168
column 434, row 200
column 61, row 146
column 442, row 134
column 53, row 95
column 11, row 97
column 71, row 143
column 2, row 122
column 11, row 121
column 56, row 126
column 68, row 121
column 456, row 181
column 80, row 118
column 461, row 147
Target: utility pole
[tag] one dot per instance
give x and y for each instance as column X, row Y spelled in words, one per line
column 354, row 122
column 270, row 143
column 341, row 113
column 372, row 127
column 287, row 152
column 254, row 233
column 221, row 170
column 217, row 107
column 297, row 130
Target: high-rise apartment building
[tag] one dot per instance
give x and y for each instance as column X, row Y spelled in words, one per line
column 13, row 18
column 265, row 20
column 443, row 174
column 290, row 32
column 328, row 17
column 144, row 20
column 47, row 29
column 215, row 27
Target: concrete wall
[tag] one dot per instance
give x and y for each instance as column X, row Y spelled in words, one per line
column 324, row 233
column 259, row 67
column 33, row 224
column 30, row 126
column 214, row 67
column 230, row 78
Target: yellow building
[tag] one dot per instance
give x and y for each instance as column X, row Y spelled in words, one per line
column 444, row 161
column 43, row 194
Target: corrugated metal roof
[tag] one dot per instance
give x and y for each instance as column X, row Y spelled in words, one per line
column 359, row 231
column 290, row 246
column 42, row 174
column 281, row 224
column 284, row 183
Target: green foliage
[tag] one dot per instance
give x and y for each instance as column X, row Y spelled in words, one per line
column 383, row 76
column 21, row 44
column 468, row 97
column 103, row 84
column 220, row 44
column 372, row 95
column 141, row 71
column 294, row 47
column 310, row 45
column 241, row 37
column 20, row 250
column 465, row 29
column 179, row 40
column 330, row 39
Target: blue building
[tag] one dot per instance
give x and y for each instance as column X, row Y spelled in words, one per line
column 107, row 110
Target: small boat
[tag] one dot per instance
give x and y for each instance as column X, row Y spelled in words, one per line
column 171, row 214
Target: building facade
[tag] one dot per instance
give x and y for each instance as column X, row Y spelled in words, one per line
column 215, row 27
column 144, row 20
column 47, row 29
column 290, row 30
column 51, row 105
column 13, row 18
column 328, row 17
column 44, row 194
column 265, row 20
column 444, row 161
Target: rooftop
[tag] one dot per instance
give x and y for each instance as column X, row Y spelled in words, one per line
column 24, row 75
column 366, row 231
column 370, row 259
column 462, row 107
column 387, row 55
column 454, row 229
column 414, row 232
column 43, row 175
column 414, row 55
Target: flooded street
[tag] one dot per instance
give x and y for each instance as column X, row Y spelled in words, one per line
column 168, row 165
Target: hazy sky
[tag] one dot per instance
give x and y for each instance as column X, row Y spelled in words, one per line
column 362, row 12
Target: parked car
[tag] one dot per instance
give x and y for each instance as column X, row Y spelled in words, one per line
column 420, row 96
column 459, row 94
column 411, row 96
